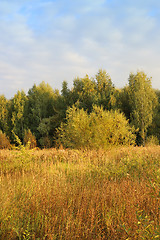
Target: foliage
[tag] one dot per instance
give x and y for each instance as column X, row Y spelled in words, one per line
column 143, row 101
column 45, row 142
column 152, row 140
column 84, row 92
column 41, row 103
column 29, row 139
column 105, row 90
column 16, row 112
column 18, row 143
column 154, row 129
column 123, row 101
column 43, row 110
column 3, row 113
column 89, row 91
column 4, row 141
column 99, row 129
column 66, row 94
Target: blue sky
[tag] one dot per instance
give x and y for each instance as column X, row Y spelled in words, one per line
column 56, row 40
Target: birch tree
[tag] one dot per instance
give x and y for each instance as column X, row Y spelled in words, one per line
column 143, row 101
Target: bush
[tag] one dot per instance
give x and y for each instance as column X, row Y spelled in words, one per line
column 29, row 139
column 4, row 141
column 152, row 141
column 45, row 142
column 98, row 129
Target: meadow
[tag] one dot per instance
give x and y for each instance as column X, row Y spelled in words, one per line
column 80, row 194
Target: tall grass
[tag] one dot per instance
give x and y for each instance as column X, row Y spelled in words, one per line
column 71, row 194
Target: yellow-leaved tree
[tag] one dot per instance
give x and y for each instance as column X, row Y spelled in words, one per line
column 99, row 129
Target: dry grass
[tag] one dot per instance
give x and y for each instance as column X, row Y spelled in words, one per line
column 71, row 194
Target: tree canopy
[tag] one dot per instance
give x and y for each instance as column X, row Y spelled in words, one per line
column 92, row 113
column 143, row 101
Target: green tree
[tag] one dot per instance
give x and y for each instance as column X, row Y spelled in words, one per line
column 105, row 90
column 42, row 101
column 16, row 112
column 123, row 102
column 94, row 91
column 143, row 101
column 45, row 128
column 3, row 113
column 64, row 101
column 154, row 129
column 85, row 93
column 65, row 92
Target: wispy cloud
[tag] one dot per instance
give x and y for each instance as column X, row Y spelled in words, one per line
column 60, row 40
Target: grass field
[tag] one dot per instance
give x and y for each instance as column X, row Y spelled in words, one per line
column 76, row 194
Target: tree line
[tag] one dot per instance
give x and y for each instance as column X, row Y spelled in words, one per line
column 92, row 113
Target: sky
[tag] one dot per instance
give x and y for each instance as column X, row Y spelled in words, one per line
column 57, row 40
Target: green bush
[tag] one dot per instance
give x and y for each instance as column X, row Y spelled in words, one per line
column 99, row 129
column 45, row 142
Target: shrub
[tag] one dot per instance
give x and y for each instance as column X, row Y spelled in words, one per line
column 29, row 139
column 4, row 141
column 45, row 142
column 99, row 129
column 152, row 140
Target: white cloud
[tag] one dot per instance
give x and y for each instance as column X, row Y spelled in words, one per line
column 58, row 40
